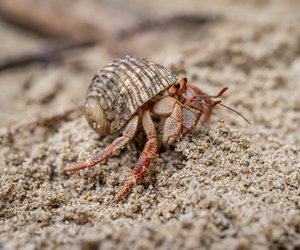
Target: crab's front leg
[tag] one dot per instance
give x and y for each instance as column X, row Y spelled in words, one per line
column 191, row 118
column 143, row 162
column 170, row 107
column 118, row 143
column 173, row 126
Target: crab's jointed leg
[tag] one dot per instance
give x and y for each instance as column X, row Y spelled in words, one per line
column 143, row 162
column 118, row 143
column 191, row 116
column 173, row 125
column 172, row 109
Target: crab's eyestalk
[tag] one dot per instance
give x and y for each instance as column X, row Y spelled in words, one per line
column 96, row 116
column 179, row 86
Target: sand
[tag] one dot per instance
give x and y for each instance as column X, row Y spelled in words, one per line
column 226, row 185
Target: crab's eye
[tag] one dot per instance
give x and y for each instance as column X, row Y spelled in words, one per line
column 174, row 88
column 177, row 85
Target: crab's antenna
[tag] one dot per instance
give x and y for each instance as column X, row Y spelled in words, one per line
column 215, row 96
column 214, row 103
column 220, row 93
column 231, row 109
column 203, row 100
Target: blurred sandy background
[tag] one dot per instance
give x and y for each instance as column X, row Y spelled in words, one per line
column 226, row 186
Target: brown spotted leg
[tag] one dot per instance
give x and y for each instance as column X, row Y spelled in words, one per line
column 172, row 110
column 118, row 143
column 191, row 117
column 143, row 162
column 173, row 125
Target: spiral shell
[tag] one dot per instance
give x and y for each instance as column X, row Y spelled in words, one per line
column 122, row 87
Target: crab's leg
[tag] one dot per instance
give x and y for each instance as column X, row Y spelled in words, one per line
column 118, row 143
column 173, row 125
column 143, row 162
column 191, row 117
column 172, row 109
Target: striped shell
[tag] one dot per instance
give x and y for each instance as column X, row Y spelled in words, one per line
column 120, row 88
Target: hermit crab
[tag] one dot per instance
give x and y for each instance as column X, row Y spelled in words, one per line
column 131, row 90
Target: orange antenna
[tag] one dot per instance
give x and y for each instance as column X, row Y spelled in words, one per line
column 215, row 96
column 231, row 109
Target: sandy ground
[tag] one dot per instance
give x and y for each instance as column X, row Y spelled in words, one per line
column 227, row 185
